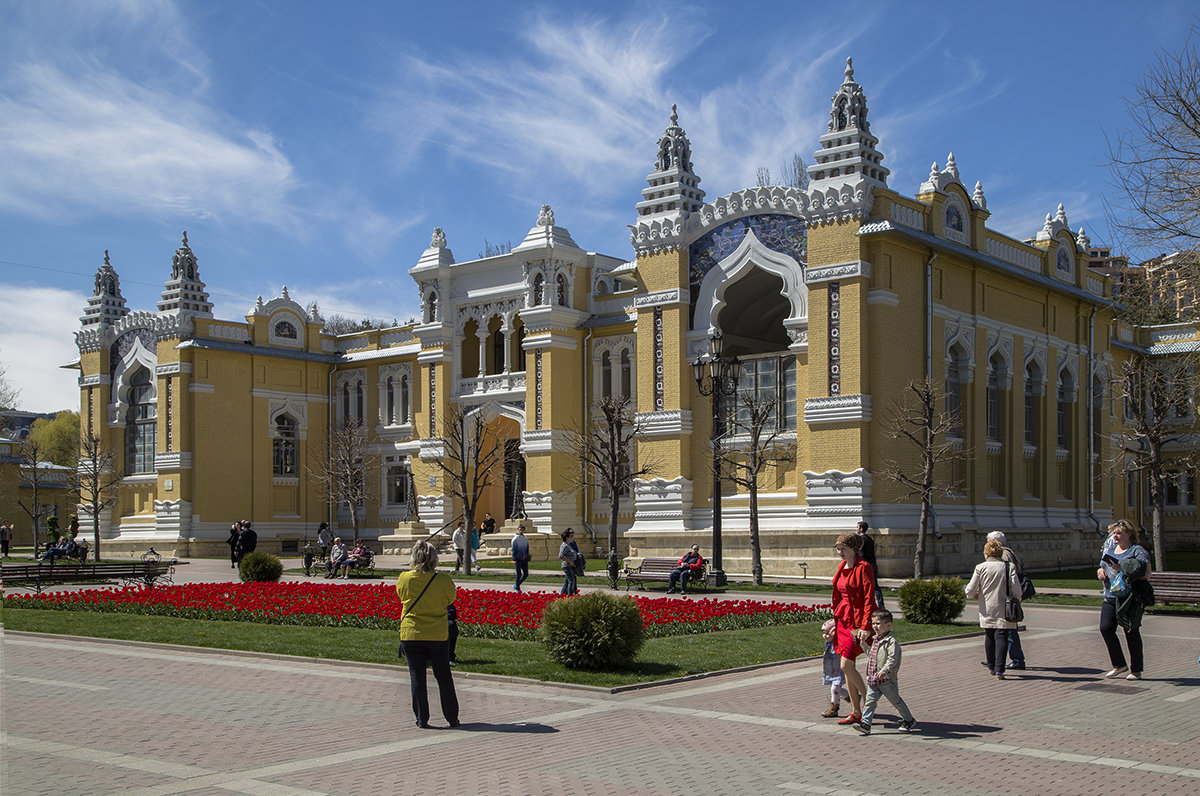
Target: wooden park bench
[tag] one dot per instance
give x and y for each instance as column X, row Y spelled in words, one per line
column 658, row 570
column 150, row 571
column 364, row 567
column 1176, row 587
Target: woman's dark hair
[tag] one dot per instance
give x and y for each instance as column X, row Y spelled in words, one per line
column 567, row 533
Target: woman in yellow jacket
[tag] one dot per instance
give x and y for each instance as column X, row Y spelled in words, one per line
column 424, row 631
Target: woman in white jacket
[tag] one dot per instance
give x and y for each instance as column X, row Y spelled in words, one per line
column 988, row 585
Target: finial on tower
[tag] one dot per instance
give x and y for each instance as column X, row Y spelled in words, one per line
column 849, row 70
column 674, row 114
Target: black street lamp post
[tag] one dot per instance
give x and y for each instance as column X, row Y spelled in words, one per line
column 720, row 380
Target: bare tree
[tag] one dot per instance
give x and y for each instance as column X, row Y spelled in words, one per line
column 605, row 455
column 97, row 480
column 470, row 459
column 1157, row 396
column 919, row 420
column 1155, row 160
column 344, row 467
column 8, row 397
column 754, row 447
column 792, row 174
column 493, row 249
column 34, row 478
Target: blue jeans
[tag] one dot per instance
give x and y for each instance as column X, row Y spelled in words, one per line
column 679, row 574
column 420, row 655
column 1014, row 647
column 522, row 572
column 570, row 585
column 995, row 645
column 891, row 690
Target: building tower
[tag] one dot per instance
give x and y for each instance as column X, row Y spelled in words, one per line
column 848, row 156
column 106, row 304
column 184, row 294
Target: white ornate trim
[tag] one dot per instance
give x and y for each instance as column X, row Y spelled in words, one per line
column 238, row 334
column 750, row 254
column 95, row 380
column 200, row 387
column 432, row 448
column 545, row 440
column 660, row 297
column 665, row 423
column 175, row 460
column 993, row 447
column 908, row 216
column 1029, row 259
column 550, row 340
column 661, row 504
column 837, row 409
column 1029, row 451
column 834, row 493
column 828, row 273
column 171, row 368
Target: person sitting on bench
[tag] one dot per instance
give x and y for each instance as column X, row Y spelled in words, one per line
column 691, row 563
column 66, row 548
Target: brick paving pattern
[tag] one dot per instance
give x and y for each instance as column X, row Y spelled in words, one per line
column 84, row 717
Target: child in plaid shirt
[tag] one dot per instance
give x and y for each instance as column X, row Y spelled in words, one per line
column 883, row 665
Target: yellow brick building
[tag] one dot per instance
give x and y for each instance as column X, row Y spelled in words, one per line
column 833, row 297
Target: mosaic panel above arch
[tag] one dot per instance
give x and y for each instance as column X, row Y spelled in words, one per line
column 781, row 233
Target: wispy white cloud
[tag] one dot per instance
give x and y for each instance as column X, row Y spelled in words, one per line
column 37, row 336
column 94, row 142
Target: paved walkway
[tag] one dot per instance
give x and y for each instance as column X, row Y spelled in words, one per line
column 81, row 717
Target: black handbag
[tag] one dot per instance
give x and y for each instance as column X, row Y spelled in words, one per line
column 1026, row 582
column 1013, row 612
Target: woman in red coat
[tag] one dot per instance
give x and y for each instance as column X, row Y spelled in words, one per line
column 853, row 603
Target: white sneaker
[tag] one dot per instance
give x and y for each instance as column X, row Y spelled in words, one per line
column 1134, row 676
column 1117, row 672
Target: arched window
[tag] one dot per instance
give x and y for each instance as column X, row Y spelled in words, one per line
column 539, row 290
column 561, row 282
column 997, row 373
column 1066, row 389
column 391, row 402
column 626, row 375
column 606, row 374
column 358, row 403
column 284, row 446
column 345, row 403
column 404, row 399
column 141, row 424
column 498, row 351
column 955, row 378
column 1033, row 380
column 431, row 308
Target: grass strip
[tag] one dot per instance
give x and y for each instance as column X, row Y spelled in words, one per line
column 660, row 658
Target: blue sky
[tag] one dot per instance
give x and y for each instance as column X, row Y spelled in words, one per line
column 317, row 144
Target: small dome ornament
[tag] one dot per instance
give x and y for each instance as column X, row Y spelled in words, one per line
column 438, row 239
column 545, row 217
column 978, row 198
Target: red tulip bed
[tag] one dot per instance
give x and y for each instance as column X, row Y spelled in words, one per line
column 481, row 613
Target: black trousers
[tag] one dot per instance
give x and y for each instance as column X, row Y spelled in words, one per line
column 1108, row 631
column 995, row 648
column 420, row 655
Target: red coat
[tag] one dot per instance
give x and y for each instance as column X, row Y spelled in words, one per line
column 856, row 608
column 695, row 565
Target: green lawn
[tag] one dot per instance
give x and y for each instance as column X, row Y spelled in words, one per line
column 659, row 659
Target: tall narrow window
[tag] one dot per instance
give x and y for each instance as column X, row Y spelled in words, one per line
column 954, row 390
column 561, row 283
column 539, row 290
column 431, row 308
column 141, row 424
column 284, row 446
column 404, row 399
column 358, row 404
column 606, row 374
column 1063, row 409
column 626, row 375
column 345, row 403
column 1032, row 384
column 497, row 351
column 997, row 379
column 391, row 402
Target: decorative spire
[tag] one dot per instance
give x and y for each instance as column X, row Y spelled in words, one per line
column 951, row 166
column 978, row 198
column 1083, row 241
column 284, row 293
column 106, row 304
column 848, row 156
column 185, row 293
column 673, row 186
column 1061, row 215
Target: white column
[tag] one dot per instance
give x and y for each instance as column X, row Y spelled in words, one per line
column 482, row 334
column 507, row 349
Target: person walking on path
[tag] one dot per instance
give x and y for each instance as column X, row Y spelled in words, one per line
column 1120, row 545
column 5, row 537
column 473, row 551
column 235, row 533
column 459, row 540
column 247, row 540
column 691, row 562
column 868, row 555
column 992, row 582
column 883, row 669
column 568, row 554
column 520, row 556
column 853, row 604
column 426, row 595
column 831, row 671
column 324, row 541
column 1015, row 653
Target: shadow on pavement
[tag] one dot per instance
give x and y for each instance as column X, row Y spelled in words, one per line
column 525, row 727
column 935, row 729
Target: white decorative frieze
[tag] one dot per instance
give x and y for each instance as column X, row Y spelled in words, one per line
column 397, row 337
column 176, row 460
column 1095, row 286
column 661, row 504
column 834, row 493
column 172, row 517
column 95, row 380
column 240, row 334
column 665, row 423
column 908, row 216
column 659, row 298
column 837, row 409
column 828, row 273
column 1014, row 255
column 883, row 297
column 544, row 440
column 200, row 387
column 171, row 368
column 432, row 448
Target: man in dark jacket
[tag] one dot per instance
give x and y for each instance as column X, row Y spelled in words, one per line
column 247, row 540
column 691, row 563
column 868, row 554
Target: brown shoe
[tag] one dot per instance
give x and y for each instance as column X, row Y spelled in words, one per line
column 831, row 712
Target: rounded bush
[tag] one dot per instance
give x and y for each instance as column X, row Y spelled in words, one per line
column 932, row 601
column 259, row 567
column 597, row 631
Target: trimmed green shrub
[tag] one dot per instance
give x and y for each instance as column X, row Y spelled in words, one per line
column 932, row 601
column 259, row 567
column 597, row 631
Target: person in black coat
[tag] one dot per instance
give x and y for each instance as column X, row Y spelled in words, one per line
column 868, row 555
column 235, row 533
column 247, row 540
